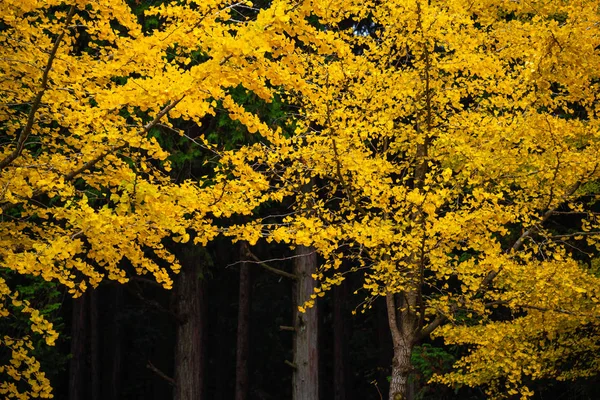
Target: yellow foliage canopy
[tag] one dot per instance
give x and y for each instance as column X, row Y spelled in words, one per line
column 85, row 192
column 441, row 139
column 445, row 137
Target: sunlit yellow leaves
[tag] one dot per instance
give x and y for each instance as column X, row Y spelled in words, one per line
column 88, row 196
column 21, row 365
column 438, row 154
column 429, row 150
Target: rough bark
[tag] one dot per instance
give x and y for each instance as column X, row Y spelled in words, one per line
column 339, row 344
column 114, row 349
column 403, row 326
column 94, row 346
column 401, row 366
column 188, row 347
column 241, row 366
column 384, row 344
column 305, row 380
column 79, row 331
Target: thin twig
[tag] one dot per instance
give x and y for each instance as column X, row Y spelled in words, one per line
column 158, row 372
column 264, row 264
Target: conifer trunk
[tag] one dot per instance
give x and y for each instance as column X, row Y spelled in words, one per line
column 94, row 345
column 241, row 368
column 188, row 348
column 79, row 329
column 114, row 347
column 339, row 343
column 305, row 380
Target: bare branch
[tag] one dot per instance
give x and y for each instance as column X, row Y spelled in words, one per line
column 246, row 251
column 161, row 374
column 287, row 328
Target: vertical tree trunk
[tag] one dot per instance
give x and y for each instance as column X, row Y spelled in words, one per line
column 339, row 343
column 384, row 344
column 305, row 381
column 79, row 330
column 241, row 366
column 114, row 347
column 403, row 323
column 188, row 348
column 94, row 359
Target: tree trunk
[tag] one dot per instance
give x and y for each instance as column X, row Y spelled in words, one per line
column 403, row 323
column 339, row 343
column 305, row 380
column 401, row 368
column 114, row 347
column 79, row 330
column 384, row 344
column 188, row 347
column 241, row 366
column 94, row 343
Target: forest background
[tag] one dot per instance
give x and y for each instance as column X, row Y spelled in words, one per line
column 299, row 199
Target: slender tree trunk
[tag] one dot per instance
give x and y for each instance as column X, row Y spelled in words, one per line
column 403, row 323
column 94, row 345
column 79, row 330
column 241, row 367
column 305, row 381
column 402, row 316
column 339, row 343
column 188, row 348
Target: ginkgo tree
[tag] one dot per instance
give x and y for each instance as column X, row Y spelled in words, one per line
column 445, row 138
column 85, row 192
column 440, row 140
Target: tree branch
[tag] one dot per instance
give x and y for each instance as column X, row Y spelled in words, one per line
column 161, row 374
column 287, row 328
column 569, row 235
column 519, row 242
column 91, row 163
column 246, row 251
column 38, row 98
column 392, row 320
column 433, row 325
column 560, row 311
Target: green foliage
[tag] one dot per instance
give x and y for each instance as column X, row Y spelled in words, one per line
column 428, row 360
column 48, row 300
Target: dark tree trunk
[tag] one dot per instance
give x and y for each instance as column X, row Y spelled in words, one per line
column 384, row 344
column 305, row 381
column 241, row 366
column 94, row 356
column 114, row 346
column 79, row 331
column 188, row 349
column 339, row 343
